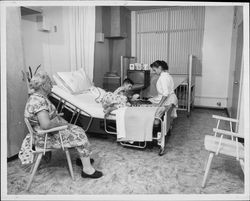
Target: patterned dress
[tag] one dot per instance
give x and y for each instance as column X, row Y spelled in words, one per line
column 115, row 100
column 73, row 136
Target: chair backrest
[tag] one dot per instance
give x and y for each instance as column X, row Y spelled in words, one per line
column 234, row 135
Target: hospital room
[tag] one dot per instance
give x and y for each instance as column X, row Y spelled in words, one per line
column 125, row 99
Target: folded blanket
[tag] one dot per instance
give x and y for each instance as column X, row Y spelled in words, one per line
column 137, row 122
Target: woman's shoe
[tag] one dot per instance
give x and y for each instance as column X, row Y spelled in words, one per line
column 79, row 162
column 97, row 174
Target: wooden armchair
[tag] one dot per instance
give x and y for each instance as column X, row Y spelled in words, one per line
column 41, row 151
column 229, row 146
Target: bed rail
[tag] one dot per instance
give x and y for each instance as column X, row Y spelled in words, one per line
column 185, row 92
column 161, row 141
column 72, row 108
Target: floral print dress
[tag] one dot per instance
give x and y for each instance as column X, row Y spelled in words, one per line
column 73, row 136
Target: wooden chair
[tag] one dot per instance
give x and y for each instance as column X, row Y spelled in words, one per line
column 41, row 151
column 221, row 145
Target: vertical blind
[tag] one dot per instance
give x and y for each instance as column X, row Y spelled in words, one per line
column 170, row 34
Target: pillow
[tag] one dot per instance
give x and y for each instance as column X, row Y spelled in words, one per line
column 74, row 82
column 59, row 83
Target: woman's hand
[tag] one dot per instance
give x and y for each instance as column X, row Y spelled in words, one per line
column 128, row 104
column 46, row 123
column 135, row 97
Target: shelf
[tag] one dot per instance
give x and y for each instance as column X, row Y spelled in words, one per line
column 30, row 10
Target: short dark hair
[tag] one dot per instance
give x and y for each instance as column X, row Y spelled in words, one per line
column 159, row 63
column 128, row 81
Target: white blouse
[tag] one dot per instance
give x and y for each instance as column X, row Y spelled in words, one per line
column 164, row 86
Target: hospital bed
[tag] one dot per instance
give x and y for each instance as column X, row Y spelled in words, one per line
column 87, row 104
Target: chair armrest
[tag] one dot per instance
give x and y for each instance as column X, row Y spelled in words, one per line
column 40, row 132
column 225, row 118
column 224, row 132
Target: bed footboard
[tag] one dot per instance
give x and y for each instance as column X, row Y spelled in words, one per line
column 161, row 137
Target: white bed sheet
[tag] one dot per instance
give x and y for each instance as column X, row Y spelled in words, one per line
column 179, row 79
column 85, row 101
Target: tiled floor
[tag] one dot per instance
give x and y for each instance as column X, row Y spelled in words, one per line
column 132, row 171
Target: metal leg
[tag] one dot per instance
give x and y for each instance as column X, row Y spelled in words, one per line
column 210, row 158
column 163, row 134
column 32, row 166
column 242, row 165
column 34, row 169
column 69, row 163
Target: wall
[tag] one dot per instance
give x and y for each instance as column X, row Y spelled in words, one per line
column 244, row 93
column 122, row 46
column 108, row 53
column 212, row 86
column 50, row 49
column 17, row 91
column 102, row 60
column 238, row 17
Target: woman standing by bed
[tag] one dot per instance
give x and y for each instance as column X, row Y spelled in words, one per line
column 165, row 87
column 42, row 114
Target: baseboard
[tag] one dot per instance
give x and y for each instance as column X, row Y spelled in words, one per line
column 209, row 107
column 211, row 101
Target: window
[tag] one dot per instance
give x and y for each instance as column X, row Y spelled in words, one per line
column 170, row 34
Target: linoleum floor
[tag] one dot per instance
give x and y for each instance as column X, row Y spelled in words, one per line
column 133, row 171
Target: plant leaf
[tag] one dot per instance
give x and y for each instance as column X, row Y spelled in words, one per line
column 30, row 72
column 37, row 68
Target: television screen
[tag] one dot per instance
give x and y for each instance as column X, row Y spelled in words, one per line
column 139, row 77
column 136, row 76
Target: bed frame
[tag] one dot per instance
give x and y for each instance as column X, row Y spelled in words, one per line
column 165, row 123
column 185, row 92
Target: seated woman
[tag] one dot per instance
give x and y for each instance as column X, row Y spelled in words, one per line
column 43, row 115
column 164, row 86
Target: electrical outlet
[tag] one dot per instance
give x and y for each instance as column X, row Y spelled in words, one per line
column 218, row 104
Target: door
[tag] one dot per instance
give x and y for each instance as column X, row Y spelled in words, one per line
column 17, row 91
column 237, row 72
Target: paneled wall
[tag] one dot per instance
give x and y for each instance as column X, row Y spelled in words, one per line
column 17, row 91
column 109, row 52
column 102, row 52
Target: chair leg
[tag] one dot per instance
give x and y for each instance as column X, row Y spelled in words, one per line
column 32, row 166
column 242, row 165
column 69, row 163
column 210, row 158
column 34, row 169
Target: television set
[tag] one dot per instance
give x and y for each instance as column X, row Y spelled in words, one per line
column 139, row 77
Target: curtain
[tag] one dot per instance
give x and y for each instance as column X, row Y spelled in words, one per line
column 82, row 38
column 170, row 34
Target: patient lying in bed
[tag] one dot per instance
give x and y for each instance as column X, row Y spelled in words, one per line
column 119, row 98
